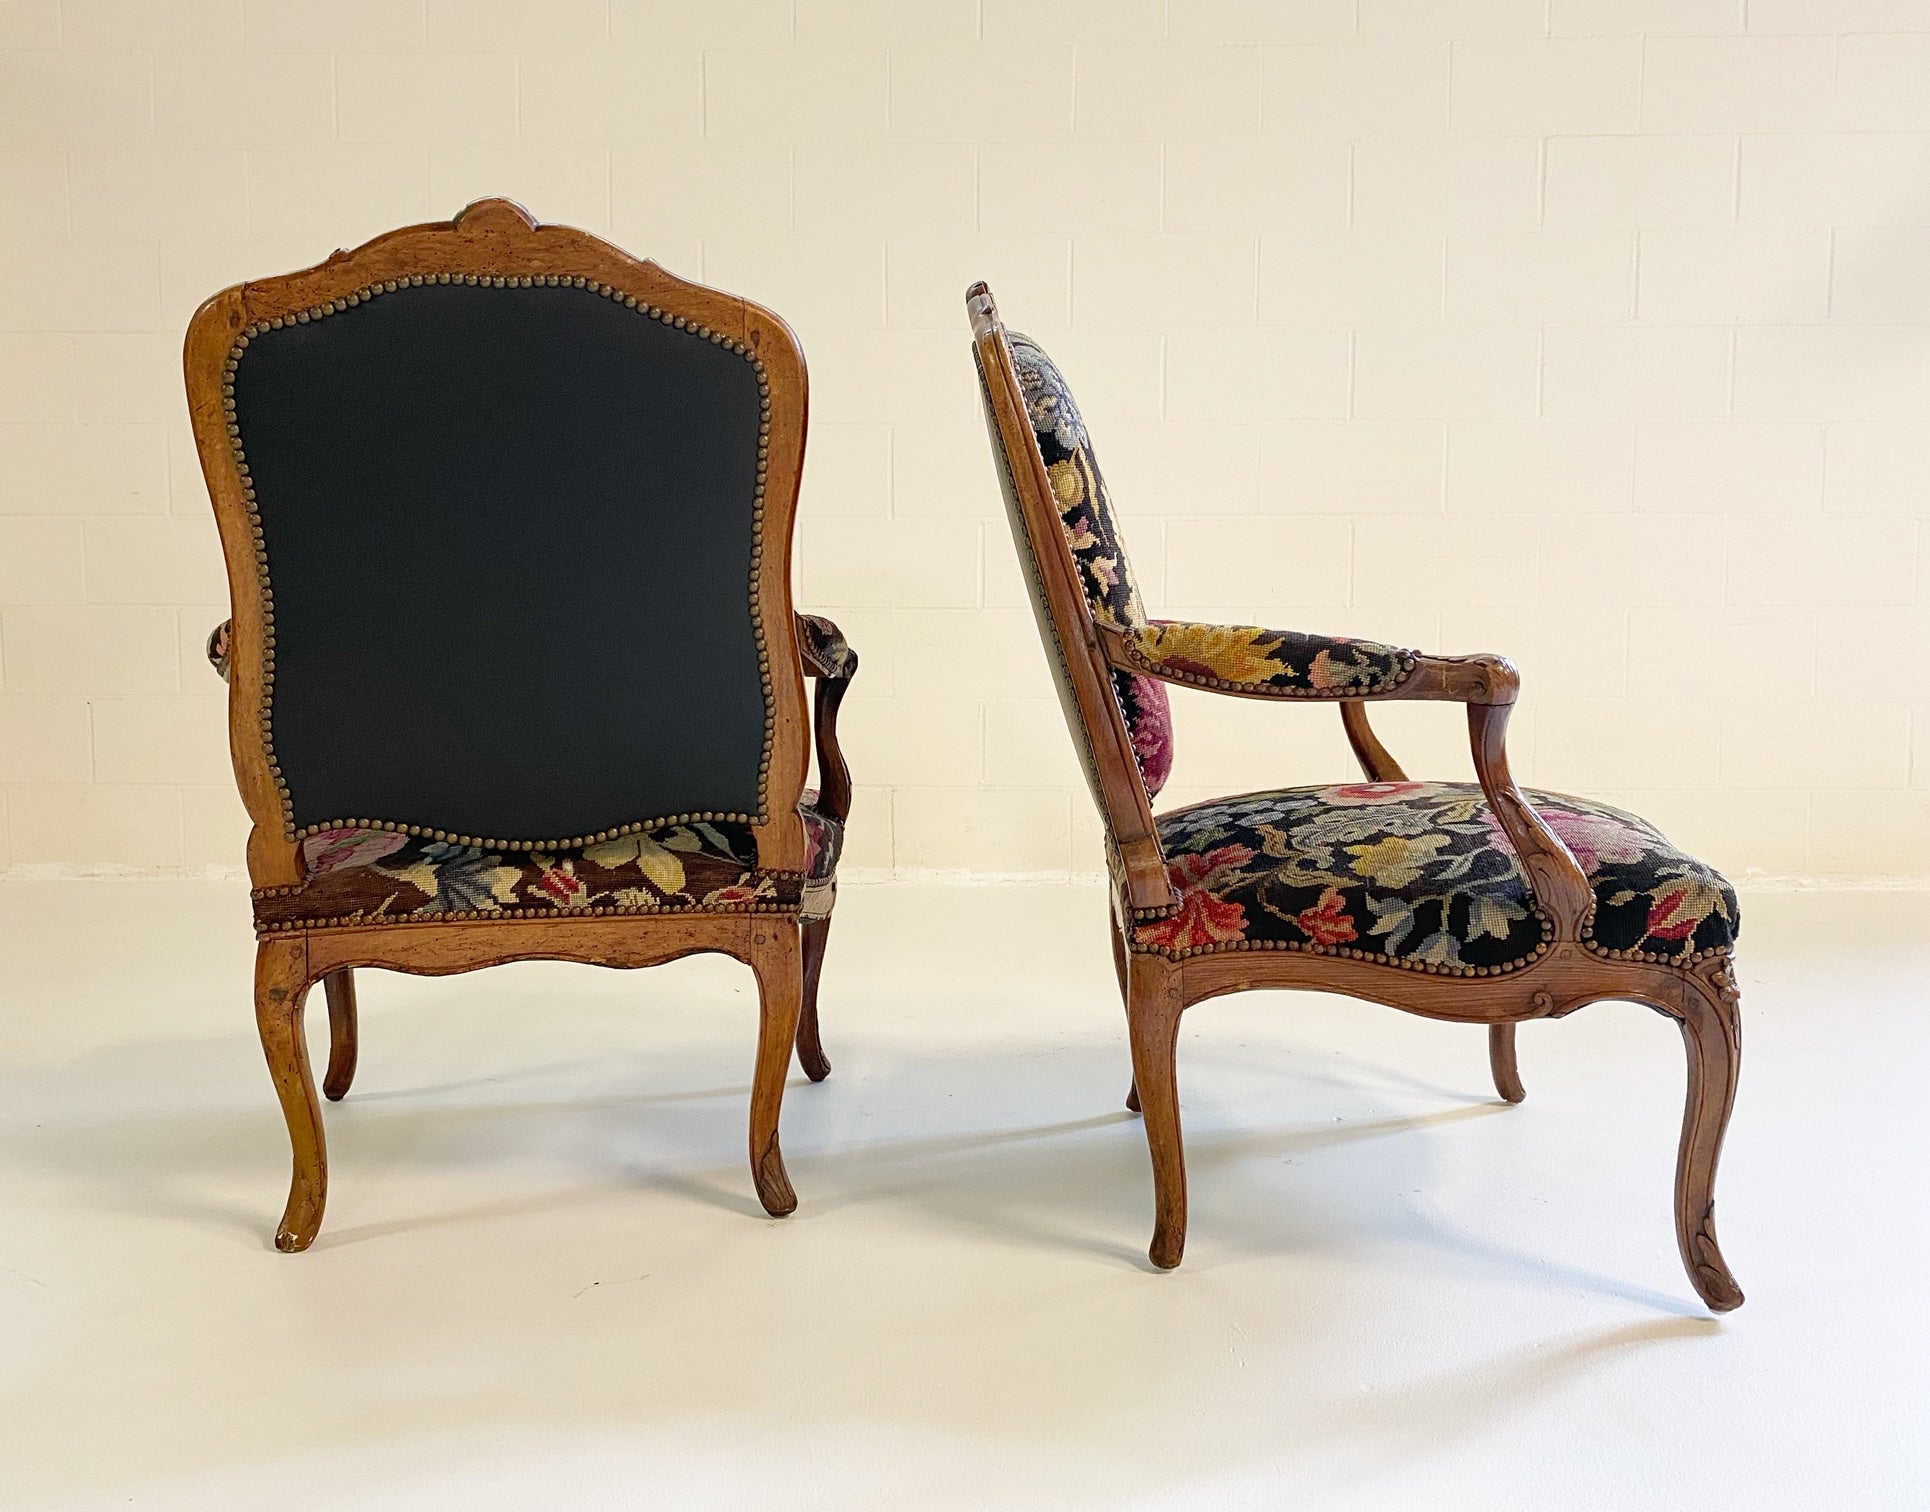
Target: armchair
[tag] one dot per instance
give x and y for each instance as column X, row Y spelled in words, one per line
column 513, row 669
column 1474, row 902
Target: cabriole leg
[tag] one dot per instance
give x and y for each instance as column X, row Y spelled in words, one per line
column 339, row 987
column 1501, row 1060
column 777, row 960
column 1152, row 1019
column 281, row 991
column 1711, row 1033
column 810, row 1049
column 1119, row 956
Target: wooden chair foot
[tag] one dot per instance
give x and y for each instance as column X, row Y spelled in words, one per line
column 776, row 958
column 1501, row 1061
column 339, row 987
column 1711, row 1033
column 1132, row 1097
column 810, row 1049
column 281, row 992
column 1152, row 1019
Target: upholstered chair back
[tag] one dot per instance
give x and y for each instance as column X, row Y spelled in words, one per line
column 1075, row 564
column 509, row 533
column 1092, row 535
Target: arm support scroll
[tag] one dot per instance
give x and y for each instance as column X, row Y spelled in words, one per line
column 830, row 661
column 220, row 651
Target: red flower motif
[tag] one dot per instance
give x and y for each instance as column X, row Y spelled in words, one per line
column 1663, row 923
column 1327, row 922
column 1203, row 919
column 1372, row 792
column 561, row 886
column 1152, row 733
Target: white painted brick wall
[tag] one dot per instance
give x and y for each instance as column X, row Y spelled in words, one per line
column 1592, row 331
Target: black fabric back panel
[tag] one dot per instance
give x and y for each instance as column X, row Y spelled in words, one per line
column 509, row 540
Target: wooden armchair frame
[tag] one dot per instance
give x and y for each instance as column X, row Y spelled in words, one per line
column 496, row 242
column 1701, row 996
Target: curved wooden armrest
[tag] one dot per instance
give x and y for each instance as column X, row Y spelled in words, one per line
column 829, row 659
column 1286, row 665
column 1488, row 685
column 218, row 649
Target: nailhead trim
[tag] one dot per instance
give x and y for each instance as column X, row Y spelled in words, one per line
column 490, row 843
column 1652, row 957
column 468, row 916
column 1344, row 952
column 522, row 281
column 1222, row 685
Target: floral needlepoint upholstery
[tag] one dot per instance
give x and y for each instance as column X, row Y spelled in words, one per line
column 1085, row 512
column 1420, row 874
column 1248, row 659
column 369, row 876
column 823, row 648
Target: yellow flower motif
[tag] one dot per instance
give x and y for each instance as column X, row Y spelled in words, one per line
column 660, row 866
column 1231, row 652
column 1068, row 485
column 1395, row 860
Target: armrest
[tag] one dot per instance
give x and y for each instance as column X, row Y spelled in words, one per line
column 217, row 648
column 825, row 651
column 828, row 657
column 1250, row 662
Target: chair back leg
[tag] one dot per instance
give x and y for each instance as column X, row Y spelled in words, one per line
column 339, row 987
column 1501, row 1061
column 810, row 1048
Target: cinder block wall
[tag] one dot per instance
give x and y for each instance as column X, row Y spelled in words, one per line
column 1592, row 331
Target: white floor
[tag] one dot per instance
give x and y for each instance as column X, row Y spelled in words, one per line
column 544, row 1281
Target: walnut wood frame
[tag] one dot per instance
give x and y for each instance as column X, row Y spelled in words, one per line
column 496, row 239
column 1157, row 987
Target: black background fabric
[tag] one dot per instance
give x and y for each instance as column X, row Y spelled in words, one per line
column 509, row 537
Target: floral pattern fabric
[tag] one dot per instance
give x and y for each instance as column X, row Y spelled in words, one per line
column 1247, row 658
column 825, row 651
column 381, row 876
column 1419, row 873
column 1086, row 515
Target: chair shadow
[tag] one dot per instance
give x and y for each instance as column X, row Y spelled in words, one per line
column 1072, row 1184
column 1423, row 1419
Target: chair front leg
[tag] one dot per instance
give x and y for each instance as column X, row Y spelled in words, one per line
column 281, row 992
column 1712, row 1035
column 777, row 960
column 1153, row 1010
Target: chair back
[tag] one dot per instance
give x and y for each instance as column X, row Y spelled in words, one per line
column 1076, row 568
column 508, row 519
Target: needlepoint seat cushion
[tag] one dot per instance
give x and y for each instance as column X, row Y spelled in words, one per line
column 1420, row 874
column 368, row 876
